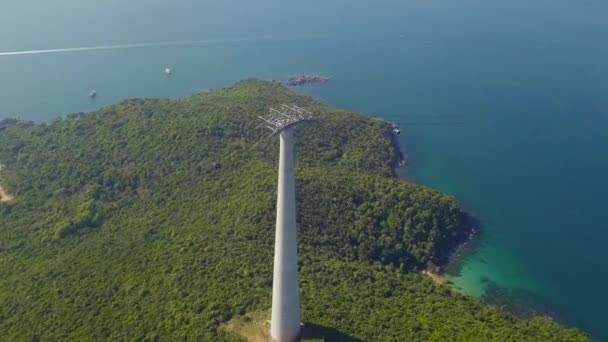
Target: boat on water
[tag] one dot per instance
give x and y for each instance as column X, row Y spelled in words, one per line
column 168, row 71
column 92, row 94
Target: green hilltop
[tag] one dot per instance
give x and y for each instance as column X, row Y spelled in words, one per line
column 118, row 229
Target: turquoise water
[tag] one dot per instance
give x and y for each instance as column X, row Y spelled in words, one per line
column 504, row 105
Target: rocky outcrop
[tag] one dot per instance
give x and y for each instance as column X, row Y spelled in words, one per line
column 307, row 79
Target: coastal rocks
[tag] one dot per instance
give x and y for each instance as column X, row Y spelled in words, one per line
column 399, row 160
column 299, row 80
column 464, row 245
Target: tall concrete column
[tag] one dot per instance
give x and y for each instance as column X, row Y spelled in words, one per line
column 285, row 319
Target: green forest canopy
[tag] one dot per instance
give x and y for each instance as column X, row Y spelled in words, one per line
column 120, row 230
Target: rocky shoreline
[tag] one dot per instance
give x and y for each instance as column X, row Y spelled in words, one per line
column 520, row 303
column 463, row 245
column 399, row 162
column 471, row 227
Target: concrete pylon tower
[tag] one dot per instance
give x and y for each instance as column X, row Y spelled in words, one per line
column 285, row 317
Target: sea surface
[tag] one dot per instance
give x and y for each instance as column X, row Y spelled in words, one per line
column 503, row 104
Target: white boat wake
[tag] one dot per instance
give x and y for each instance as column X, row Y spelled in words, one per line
column 137, row 45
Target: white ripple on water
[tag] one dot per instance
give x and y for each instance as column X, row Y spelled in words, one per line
column 137, row 45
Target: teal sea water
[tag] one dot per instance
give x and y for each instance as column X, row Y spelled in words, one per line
column 503, row 104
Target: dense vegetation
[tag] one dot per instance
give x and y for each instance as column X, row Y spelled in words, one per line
column 120, row 230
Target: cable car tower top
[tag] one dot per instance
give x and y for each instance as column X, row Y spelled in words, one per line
column 285, row 117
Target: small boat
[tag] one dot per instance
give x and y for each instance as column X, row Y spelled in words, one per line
column 92, row 94
column 168, row 71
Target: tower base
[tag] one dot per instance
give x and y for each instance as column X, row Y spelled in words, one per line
column 296, row 338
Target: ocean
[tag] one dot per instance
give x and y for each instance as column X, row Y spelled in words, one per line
column 502, row 104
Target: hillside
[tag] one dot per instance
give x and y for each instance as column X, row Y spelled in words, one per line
column 119, row 230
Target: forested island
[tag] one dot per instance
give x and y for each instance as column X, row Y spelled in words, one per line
column 120, row 228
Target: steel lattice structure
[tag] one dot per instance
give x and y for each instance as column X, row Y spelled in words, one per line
column 284, row 117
